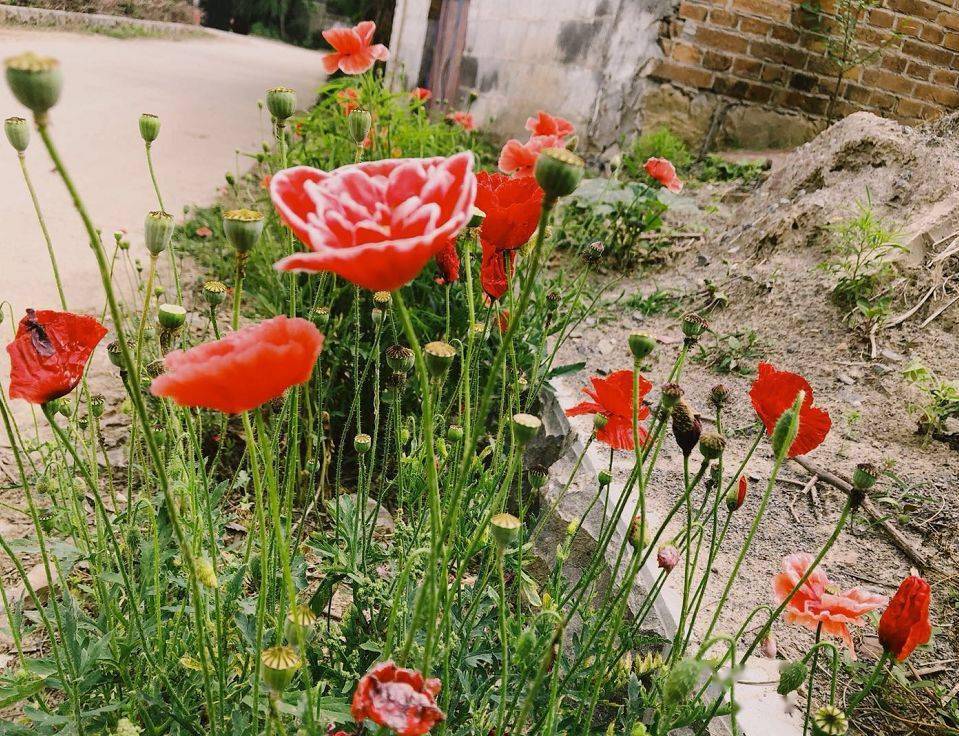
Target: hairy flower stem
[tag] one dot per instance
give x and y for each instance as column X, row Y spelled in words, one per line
column 145, row 311
column 811, row 682
column 238, row 289
column 156, row 190
column 504, row 642
column 43, row 228
column 139, row 407
column 870, row 683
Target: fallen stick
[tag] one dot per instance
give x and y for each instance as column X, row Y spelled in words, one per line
column 897, row 537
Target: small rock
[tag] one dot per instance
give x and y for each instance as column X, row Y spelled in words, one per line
column 846, row 379
column 892, row 355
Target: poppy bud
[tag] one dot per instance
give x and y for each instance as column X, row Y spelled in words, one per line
column 604, row 478
column 667, row 558
column 205, row 573
column 158, row 231
column 593, row 252
column 558, row 172
column 768, row 647
column 454, row 433
column 149, row 127
column 279, row 666
column 281, row 102
column 299, row 625
column 694, row 326
column 737, row 494
column 672, row 393
column 641, row 345
column 359, row 122
column 791, row 676
column 718, row 396
column 904, row 625
column 97, row 405
column 525, row 427
column 635, row 540
column 787, row 427
column 829, row 721
column 382, row 299
column 214, row 292
column 399, row 358
column 600, row 421
column 538, row 476
column 321, row 316
column 113, row 352
column 171, row 316
column 439, row 357
column 679, row 683
column 505, row 529
column 711, row 445
column 476, row 218
column 686, row 427
column 243, row 229
column 362, row 443
column 36, row 81
column 639, row 729
column 18, row 133
column 865, row 476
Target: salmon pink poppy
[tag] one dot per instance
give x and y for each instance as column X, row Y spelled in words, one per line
column 421, row 93
column 448, row 261
column 397, row 698
column 496, row 270
column 245, row 369
column 818, row 601
column 49, row 353
column 512, row 208
column 612, row 397
column 518, row 159
column 354, row 51
column 773, row 392
column 376, row 224
column 462, row 119
column 348, row 99
column 904, row 625
column 663, row 171
column 546, row 124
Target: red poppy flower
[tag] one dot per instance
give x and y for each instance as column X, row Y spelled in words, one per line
column 421, row 93
column 512, row 208
column 519, row 159
column 612, row 397
column 264, row 184
column 348, row 99
column 773, row 392
column 354, row 50
column 400, row 699
column 49, row 352
column 493, row 270
column 904, row 625
column 546, row 124
column 376, row 224
column 448, row 261
column 462, row 119
column 664, row 172
column 818, row 602
column 245, row 369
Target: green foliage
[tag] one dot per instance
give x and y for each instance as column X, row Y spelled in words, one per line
column 939, row 399
column 717, row 168
column 737, row 352
column 658, row 143
column 658, row 301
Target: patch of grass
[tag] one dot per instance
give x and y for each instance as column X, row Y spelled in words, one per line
column 716, row 168
column 938, row 402
column 659, row 301
column 658, row 143
column 736, row 352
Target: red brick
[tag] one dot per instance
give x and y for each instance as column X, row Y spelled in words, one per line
column 785, row 34
column 771, row 9
column 914, row 110
column 767, row 51
column 918, row 70
column 684, row 75
column 730, row 86
column 717, row 61
column 946, row 77
column 722, row 18
column 931, row 34
column 685, row 53
column 909, row 26
column 857, row 93
column 747, row 68
column 934, row 55
column 949, row 20
column 894, row 63
column 918, row 8
column 754, row 25
column 774, row 73
column 883, row 101
column 951, row 41
column 881, row 18
column 887, row 80
column 690, row 11
column 758, row 93
column 940, row 95
column 721, row 40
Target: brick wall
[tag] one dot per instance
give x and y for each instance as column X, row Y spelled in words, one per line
column 773, row 53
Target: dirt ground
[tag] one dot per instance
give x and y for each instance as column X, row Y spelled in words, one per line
column 762, row 248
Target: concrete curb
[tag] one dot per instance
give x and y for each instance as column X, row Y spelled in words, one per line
column 762, row 710
column 48, row 18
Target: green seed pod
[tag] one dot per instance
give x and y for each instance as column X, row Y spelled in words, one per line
column 454, row 433
column 399, row 358
column 149, row 127
column 538, row 476
column 362, row 443
column 439, row 357
column 113, row 352
column 279, row 666
column 158, row 231
column 505, row 529
column 171, row 316
column 694, row 326
column 829, row 721
column 359, row 122
column 300, row 623
column 97, row 405
column 712, row 445
column 214, row 292
column 243, row 228
column 600, row 421
column 641, row 345
column 36, row 81
column 376, row 316
column 639, row 536
column 525, row 427
column 281, row 102
column 558, row 172
column 791, row 676
column 865, row 476
column 18, row 133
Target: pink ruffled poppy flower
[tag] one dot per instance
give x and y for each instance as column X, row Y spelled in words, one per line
column 376, row 224
column 354, row 50
column 546, row 124
column 518, row 159
column 819, row 601
column 663, row 171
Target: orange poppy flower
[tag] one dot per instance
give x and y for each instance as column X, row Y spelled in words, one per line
column 462, row 119
column 663, row 171
column 546, row 124
column 773, row 392
column 421, row 93
column 612, row 397
column 518, row 159
column 905, row 624
column 354, row 50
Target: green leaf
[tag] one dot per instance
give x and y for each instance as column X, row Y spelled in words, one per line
column 563, row 370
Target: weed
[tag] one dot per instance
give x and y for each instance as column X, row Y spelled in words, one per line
column 736, row 352
column 939, row 399
column 716, row 168
column 659, row 143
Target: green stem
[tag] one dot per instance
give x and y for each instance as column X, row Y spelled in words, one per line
column 43, row 229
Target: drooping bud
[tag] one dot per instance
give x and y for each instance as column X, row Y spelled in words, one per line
column 279, row 666
column 359, row 122
column 439, row 357
column 525, row 427
column 679, row 683
column 787, row 427
column 558, row 172
column 718, row 396
column 399, row 358
column 638, row 533
column 671, row 393
column 36, row 81
column 829, row 721
column 505, row 529
column 694, row 326
column 205, row 573
column 791, row 676
column 281, row 102
column 158, row 231
column 711, row 445
column 171, row 316
column 362, row 443
column 299, row 625
column 149, row 127
column 18, row 133
column 641, row 345
column 667, row 558
column 243, row 228
column 686, row 427
column 737, row 494
column 114, row 354
column 593, row 253
column 214, row 292
column 768, row 647
column 376, row 316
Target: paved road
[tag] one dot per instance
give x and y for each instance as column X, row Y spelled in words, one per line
column 204, row 90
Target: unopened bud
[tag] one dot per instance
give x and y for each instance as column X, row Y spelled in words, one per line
column 687, row 427
column 18, row 133
column 711, row 445
column 149, row 127
column 791, row 677
column 667, row 558
column 641, row 345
